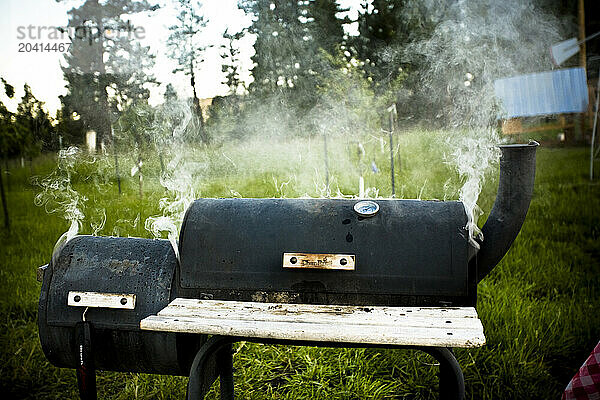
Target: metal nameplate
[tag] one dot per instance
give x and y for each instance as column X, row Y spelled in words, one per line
column 101, row 300
column 344, row 262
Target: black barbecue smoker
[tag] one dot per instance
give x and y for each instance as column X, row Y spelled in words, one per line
column 392, row 253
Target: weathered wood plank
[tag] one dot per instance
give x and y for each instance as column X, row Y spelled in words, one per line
column 455, row 312
column 397, row 335
column 407, row 326
column 323, row 315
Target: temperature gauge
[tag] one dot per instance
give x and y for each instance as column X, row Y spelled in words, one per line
column 366, row 208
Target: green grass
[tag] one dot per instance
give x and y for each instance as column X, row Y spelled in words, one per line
column 539, row 307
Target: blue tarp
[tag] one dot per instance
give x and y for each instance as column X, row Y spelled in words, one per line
column 554, row 92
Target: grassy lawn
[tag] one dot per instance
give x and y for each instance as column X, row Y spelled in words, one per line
column 539, row 307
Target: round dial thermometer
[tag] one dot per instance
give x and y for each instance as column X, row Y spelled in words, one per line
column 366, row 208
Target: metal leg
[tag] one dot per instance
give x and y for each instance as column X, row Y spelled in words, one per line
column 86, row 373
column 197, row 386
column 452, row 381
column 225, row 370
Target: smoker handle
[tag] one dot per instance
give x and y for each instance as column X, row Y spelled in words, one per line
column 515, row 189
column 86, row 373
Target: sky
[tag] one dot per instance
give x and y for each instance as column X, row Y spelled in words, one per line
column 42, row 72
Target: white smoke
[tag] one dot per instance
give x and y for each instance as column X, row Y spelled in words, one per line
column 475, row 43
column 58, row 196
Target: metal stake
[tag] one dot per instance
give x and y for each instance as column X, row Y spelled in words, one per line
column 114, row 143
column 392, row 110
column 326, row 163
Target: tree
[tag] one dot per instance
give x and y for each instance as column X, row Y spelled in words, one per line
column 346, row 100
column 185, row 48
column 170, row 93
column 9, row 138
column 134, row 125
column 8, row 143
column 104, row 69
column 131, row 77
column 325, row 27
column 290, row 35
column 33, row 125
column 69, row 127
column 283, row 52
column 231, row 62
column 386, row 27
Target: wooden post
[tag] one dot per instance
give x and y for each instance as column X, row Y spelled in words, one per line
column 392, row 110
column 580, row 118
column 593, row 145
column 582, row 54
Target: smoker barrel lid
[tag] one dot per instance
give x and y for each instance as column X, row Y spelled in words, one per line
column 407, row 247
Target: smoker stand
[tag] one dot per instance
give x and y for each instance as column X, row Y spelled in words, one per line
column 430, row 329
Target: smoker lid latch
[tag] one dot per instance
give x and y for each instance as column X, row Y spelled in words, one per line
column 101, row 300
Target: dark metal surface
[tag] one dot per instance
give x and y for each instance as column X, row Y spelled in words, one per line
column 225, row 370
column 110, row 265
column 201, row 372
column 410, row 252
column 517, row 176
column 451, row 379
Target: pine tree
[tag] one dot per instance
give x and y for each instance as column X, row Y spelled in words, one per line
column 279, row 47
column 188, row 52
column 326, row 27
column 291, row 36
column 231, row 61
column 9, row 137
column 105, row 70
column 69, row 127
column 170, row 93
column 385, row 28
column 33, row 125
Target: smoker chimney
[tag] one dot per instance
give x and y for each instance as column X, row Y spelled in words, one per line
column 517, row 175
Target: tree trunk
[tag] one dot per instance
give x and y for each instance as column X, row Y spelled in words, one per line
column 197, row 107
column 103, row 128
column 7, row 174
column 3, row 197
